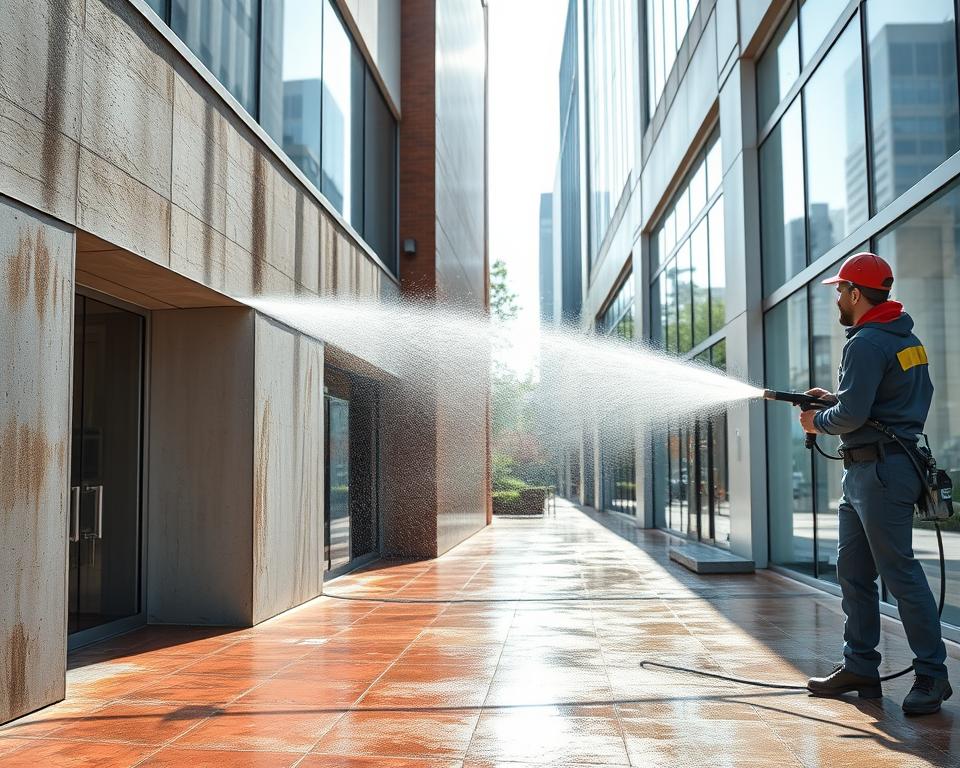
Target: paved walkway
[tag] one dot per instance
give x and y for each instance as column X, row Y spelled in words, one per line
column 538, row 664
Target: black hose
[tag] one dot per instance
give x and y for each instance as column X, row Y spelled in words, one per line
column 884, row 678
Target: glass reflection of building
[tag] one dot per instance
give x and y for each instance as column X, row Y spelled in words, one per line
column 912, row 102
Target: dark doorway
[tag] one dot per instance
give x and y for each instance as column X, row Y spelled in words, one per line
column 105, row 477
column 352, row 470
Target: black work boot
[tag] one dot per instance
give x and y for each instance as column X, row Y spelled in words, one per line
column 926, row 695
column 841, row 681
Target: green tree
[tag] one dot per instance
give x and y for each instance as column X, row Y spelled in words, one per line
column 503, row 301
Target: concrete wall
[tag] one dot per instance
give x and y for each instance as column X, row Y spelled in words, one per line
column 200, row 471
column 108, row 126
column 36, row 317
column 288, row 466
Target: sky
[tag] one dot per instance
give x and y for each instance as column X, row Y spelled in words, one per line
column 525, row 41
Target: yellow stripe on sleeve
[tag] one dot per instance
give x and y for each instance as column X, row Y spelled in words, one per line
column 912, row 356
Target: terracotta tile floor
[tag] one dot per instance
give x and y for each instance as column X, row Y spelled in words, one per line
column 537, row 664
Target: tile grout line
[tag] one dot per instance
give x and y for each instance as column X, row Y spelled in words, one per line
column 379, row 677
column 208, row 718
column 493, row 677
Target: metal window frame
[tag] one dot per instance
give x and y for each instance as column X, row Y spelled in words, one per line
column 270, row 144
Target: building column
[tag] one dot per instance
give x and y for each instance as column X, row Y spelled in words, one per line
column 36, row 323
column 746, row 435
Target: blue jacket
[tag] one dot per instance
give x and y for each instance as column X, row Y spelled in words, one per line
column 884, row 376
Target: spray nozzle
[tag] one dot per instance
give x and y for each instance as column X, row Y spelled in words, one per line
column 806, row 402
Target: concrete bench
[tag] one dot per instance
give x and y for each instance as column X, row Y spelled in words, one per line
column 704, row 559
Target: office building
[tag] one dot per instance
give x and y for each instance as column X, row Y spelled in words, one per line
column 170, row 455
column 735, row 153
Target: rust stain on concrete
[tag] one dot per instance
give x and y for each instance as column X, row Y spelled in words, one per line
column 41, row 274
column 260, row 487
column 57, row 56
column 8, row 479
column 17, row 670
column 26, row 475
column 17, row 272
column 259, row 221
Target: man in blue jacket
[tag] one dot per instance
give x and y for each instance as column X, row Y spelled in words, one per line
column 884, row 377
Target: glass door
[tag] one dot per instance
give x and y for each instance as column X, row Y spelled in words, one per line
column 337, row 482
column 105, row 477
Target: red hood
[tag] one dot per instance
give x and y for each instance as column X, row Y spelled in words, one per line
column 883, row 313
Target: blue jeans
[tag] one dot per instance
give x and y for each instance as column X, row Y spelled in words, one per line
column 876, row 536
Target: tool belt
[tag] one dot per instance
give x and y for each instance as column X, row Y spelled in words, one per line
column 871, row 452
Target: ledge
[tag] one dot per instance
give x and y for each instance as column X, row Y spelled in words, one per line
column 704, row 559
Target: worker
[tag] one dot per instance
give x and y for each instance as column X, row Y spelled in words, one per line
column 884, row 377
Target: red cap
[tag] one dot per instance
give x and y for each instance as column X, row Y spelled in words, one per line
column 866, row 269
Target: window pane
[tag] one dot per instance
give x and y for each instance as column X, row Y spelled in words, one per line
column 678, row 479
column 669, row 278
column 159, row 7
column 656, row 312
column 670, row 232
column 223, row 35
column 718, row 355
column 836, row 155
column 682, row 210
column 682, row 19
column 380, row 177
column 698, row 190
column 669, row 38
column 924, row 251
column 700, row 279
column 778, row 69
column 719, row 467
column 913, row 92
column 788, row 461
column 684, row 298
column 718, row 269
column 342, row 153
column 782, row 235
column 691, row 471
column 817, row 17
column 714, row 169
column 657, row 245
column 292, row 80
column 652, row 20
column 661, row 480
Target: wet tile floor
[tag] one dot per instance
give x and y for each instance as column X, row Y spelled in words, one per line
column 520, row 647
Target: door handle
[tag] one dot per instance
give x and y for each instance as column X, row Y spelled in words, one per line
column 74, row 532
column 98, row 506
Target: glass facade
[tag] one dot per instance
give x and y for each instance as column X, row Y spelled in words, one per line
column 225, row 36
column 611, row 84
column 571, row 256
column 913, row 90
column 882, row 140
column 667, row 22
column 618, row 456
column 691, row 472
column 687, row 306
column 687, row 295
column 816, row 184
column 293, row 65
column 342, row 119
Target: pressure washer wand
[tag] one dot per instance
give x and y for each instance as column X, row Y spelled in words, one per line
column 806, row 403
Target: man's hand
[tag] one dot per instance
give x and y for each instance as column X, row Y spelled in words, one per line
column 822, row 394
column 806, row 421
